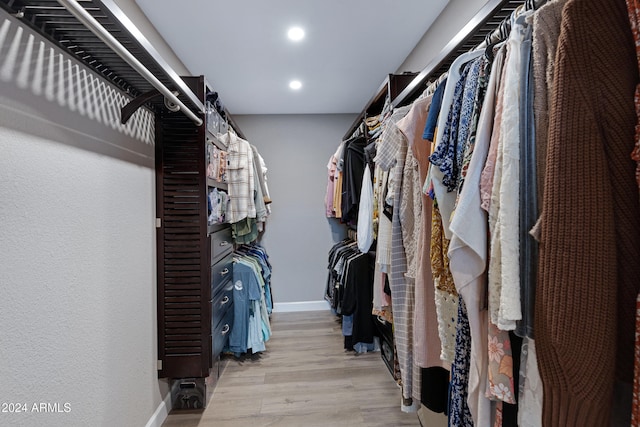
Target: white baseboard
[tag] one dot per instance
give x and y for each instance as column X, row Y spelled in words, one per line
column 162, row 412
column 286, row 307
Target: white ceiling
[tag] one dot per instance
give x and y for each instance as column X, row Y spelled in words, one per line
column 241, row 46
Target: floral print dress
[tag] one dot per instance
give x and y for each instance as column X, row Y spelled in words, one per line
column 633, row 7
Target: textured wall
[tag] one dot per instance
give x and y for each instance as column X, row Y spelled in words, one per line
column 298, row 236
column 77, row 269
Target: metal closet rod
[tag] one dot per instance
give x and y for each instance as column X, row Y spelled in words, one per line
column 94, row 26
column 484, row 15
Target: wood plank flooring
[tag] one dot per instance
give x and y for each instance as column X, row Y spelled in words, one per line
column 305, row 378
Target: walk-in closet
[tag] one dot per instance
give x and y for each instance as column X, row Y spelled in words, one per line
column 363, row 213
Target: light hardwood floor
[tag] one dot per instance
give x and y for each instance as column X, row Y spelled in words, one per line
column 305, row 378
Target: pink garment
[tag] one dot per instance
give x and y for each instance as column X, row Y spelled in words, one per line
column 426, row 340
column 635, row 409
column 498, row 417
column 427, row 343
column 486, row 179
column 328, row 202
column 501, row 383
column 412, row 127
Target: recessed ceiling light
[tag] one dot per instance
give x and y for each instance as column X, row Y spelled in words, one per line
column 295, row 84
column 295, row 33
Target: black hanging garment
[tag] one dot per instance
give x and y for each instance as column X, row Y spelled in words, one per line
column 353, row 171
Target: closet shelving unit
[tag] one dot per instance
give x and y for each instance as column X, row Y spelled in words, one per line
column 391, row 87
column 194, row 257
column 194, row 297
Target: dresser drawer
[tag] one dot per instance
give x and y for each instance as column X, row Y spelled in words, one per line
column 220, row 335
column 221, row 303
column 221, row 243
column 221, row 271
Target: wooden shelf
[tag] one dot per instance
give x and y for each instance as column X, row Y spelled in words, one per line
column 392, row 85
column 212, row 228
column 185, row 252
column 219, row 185
column 215, row 141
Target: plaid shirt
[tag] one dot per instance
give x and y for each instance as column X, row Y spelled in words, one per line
column 240, row 178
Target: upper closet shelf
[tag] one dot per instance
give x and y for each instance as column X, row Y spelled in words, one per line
column 392, row 85
column 55, row 22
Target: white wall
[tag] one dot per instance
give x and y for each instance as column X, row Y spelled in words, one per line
column 142, row 23
column 296, row 149
column 77, row 269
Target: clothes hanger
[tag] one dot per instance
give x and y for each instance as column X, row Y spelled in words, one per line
column 442, row 77
column 433, row 85
column 431, row 88
column 500, row 34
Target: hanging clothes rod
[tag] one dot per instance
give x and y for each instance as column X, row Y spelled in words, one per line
column 94, row 26
column 457, row 45
column 484, row 21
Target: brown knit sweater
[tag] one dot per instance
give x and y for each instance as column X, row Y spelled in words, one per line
column 589, row 271
column 546, row 31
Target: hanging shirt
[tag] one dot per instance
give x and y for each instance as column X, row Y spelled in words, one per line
column 530, row 388
column 426, row 340
column 354, row 162
column 445, row 204
column 385, row 159
column 468, row 252
column 240, row 178
column 449, row 154
column 504, row 264
column 258, row 197
column 328, row 202
column 442, row 173
column 411, row 126
column 246, row 288
column 337, row 181
column 365, row 213
column 459, row 413
column 392, row 153
column 434, row 111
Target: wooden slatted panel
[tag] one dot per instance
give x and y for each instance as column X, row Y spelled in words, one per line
column 183, row 284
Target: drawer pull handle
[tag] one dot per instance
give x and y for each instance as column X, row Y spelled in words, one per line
column 224, row 243
column 225, row 329
column 224, row 272
column 224, row 300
